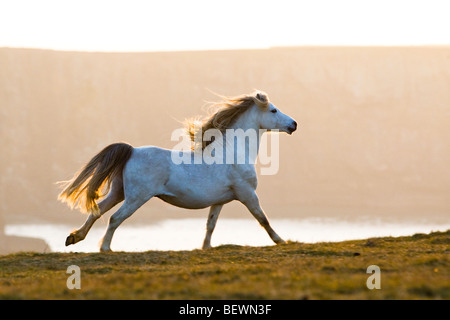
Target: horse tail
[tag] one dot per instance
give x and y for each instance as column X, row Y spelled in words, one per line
column 96, row 176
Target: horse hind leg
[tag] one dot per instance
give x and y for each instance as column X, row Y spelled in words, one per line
column 124, row 212
column 115, row 196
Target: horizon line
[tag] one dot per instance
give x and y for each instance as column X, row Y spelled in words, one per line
column 234, row 49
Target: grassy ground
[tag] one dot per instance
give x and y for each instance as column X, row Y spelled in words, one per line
column 415, row 267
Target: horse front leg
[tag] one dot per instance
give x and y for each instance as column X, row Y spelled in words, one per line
column 210, row 224
column 251, row 201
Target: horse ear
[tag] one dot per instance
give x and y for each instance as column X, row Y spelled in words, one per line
column 262, row 97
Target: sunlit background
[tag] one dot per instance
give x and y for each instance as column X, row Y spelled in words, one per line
column 145, row 25
column 367, row 81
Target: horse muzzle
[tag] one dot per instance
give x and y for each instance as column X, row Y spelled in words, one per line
column 292, row 127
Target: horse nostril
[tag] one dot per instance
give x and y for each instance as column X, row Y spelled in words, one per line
column 292, row 127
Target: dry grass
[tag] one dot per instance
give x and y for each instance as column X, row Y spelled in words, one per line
column 415, row 267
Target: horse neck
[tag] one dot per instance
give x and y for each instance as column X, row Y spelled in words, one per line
column 247, row 120
column 248, row 147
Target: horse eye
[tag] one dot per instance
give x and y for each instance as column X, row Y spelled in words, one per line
column 273, row 110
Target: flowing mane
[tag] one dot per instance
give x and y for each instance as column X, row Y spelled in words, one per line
column 227, row 111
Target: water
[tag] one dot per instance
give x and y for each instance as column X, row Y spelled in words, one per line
column 187, row 234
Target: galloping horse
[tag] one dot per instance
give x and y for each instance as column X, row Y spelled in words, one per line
column 135, row 175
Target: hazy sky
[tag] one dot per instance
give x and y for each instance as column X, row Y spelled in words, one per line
column 145, row 25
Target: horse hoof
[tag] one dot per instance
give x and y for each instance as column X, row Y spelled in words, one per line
column 70, row 240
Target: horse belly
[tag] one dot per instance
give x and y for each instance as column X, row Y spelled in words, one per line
column 193, row 199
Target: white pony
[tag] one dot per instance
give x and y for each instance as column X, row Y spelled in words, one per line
column 138, row 174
